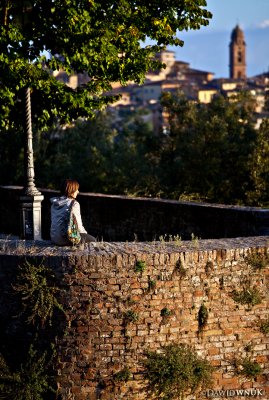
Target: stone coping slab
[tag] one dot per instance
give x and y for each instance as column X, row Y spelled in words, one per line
column 14, row 246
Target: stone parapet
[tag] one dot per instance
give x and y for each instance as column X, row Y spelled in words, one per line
column 121, row 218
column 115, row 295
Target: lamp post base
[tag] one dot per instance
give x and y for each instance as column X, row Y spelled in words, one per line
column 31, row 216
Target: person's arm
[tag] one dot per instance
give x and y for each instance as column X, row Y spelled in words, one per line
column 76, row 211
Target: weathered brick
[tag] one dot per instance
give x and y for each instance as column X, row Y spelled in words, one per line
column 98, row 338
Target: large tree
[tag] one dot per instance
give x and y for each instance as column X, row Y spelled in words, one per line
column 208, row 151
column 259, row 194
column 106, row 39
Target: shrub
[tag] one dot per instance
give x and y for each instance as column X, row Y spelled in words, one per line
column 257, row 261
column 27, row 351
column 38, row 292
column 264, row 326
column 202, row 316
column 30, row 382
column 165, row 312
column 176, row 371
column 248, row 295
column 122, row 376
column 140, row 266
column 248, row 368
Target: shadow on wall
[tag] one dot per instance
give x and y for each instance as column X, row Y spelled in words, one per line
column 121, row 218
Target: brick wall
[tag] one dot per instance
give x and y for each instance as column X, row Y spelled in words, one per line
column 102, row 287
column 120, row 218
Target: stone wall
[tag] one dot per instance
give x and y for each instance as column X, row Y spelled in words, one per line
column 121, row 218
column 115, row 313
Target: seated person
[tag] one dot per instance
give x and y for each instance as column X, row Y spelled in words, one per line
column 60, row 210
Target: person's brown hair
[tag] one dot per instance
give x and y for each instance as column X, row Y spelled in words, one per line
column 68, row 187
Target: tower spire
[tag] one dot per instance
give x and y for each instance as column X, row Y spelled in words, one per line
column 237, row 54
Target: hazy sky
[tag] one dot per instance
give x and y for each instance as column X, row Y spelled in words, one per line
column 208, row 48
column 247, row 13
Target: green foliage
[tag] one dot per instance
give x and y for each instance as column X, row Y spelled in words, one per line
column 105, row 159
column 202, row 316
column 209, row 267
column 140, row 266
column 259, row 168
column 165, row 312
column 181, row 270
column 257, row 261
column 195, row 160
column 175, row 372
column 152, row 284
column 36, row 285
column 248, row 368
column 104, row 40
column 195, row 240
column 29, row 382
column 264, row 327
column 122, row 376
column 11, row 148
column 28, row 335
column 130, row 316
column 248, row 295
column 205, row 144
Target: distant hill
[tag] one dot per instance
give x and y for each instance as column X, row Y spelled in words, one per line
column 210, row 51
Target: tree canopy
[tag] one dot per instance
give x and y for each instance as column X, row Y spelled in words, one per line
column 209, row 149
column 105, row 39
column 212, row 152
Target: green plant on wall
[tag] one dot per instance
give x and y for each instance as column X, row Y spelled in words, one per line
column 175, row 239
column 250, row 369
column 195, row 240
column 202, row 316
column 28, row 349
column 248, row 295
column 140, row 266
column 209, row 267
column 257, row 261
column 175, row 371
column 122, row 376
column 151, row 284
column 181, row 269
column 264, row 326
column 36, row 285
column 30, row 381
column 165, row 312
column 130, row 316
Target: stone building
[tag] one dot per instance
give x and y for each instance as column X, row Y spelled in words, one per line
column 178, row 75
column 238, row 54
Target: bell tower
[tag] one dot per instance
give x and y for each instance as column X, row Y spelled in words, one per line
column 237, row 54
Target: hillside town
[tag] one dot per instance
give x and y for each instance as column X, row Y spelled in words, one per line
column 199, row 86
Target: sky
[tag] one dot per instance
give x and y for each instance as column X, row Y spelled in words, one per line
column 208, row 48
